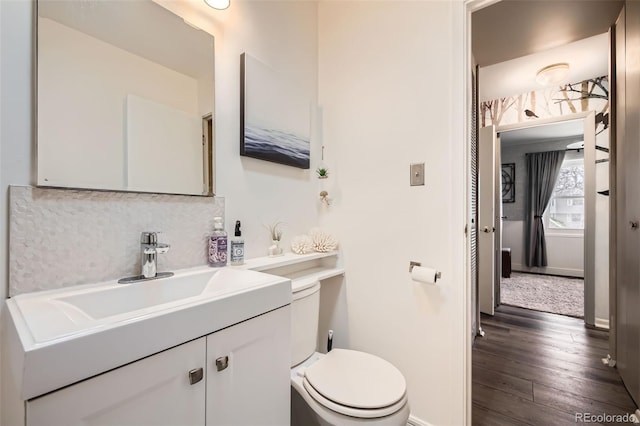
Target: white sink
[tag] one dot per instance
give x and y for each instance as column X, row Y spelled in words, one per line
column 60, row 313
column 120, row 299
column 68, row 328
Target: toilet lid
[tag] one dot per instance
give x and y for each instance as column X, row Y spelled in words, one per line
column 356, row 379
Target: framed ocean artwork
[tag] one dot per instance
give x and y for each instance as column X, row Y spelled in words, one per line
column 274, row 116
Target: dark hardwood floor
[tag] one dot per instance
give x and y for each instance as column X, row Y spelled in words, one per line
column 535, row 368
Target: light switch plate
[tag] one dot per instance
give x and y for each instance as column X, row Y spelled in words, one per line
column 417, row 174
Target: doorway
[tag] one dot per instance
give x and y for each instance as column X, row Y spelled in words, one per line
column 563, row 101
column 489, row 374
column 558, row 287
column 556, row 131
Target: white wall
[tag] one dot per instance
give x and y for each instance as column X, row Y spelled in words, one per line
column 284, row 36
column 565, row 251
column 387, row 85
column 280, row 34
column 15, row 115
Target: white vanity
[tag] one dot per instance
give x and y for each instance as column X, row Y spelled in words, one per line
column 203, row 347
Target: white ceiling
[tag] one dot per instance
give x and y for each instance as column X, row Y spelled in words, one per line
column 510, row 29
column 513, row 39
column 570, row 131
column 140, row 27
column 587, row 59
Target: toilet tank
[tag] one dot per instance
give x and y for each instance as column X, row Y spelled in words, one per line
column 305, row 311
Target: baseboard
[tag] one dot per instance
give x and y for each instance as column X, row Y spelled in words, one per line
column 414, row 421
column 550, row 270
column 602, row 323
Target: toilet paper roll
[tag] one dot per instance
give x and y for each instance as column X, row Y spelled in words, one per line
column 424, row 275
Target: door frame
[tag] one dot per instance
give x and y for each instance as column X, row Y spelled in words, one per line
column 462, row 26
column 471, row 6
column 588, row 119
column 488, row 226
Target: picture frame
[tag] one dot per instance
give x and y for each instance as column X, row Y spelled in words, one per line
column 275, row 116
column 508, row 180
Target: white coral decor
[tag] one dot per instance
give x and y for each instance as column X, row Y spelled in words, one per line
column 323, row 241
column 301, row 244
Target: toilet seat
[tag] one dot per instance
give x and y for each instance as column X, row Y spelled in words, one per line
column 356, row 384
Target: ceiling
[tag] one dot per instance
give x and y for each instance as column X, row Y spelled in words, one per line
column 139, row 27
column 570, row 131
column 587, row 58
column 513, row 39
column 513, row 28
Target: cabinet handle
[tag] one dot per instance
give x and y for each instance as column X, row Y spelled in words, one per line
column 634, row 225
column 222, row 363
column 195, row 375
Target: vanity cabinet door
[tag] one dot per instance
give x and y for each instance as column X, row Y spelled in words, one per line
column 248, row 372
column 152, row 391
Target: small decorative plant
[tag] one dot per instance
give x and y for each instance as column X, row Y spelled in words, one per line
column 322, row 173
column 276, row 235
column 275, row 231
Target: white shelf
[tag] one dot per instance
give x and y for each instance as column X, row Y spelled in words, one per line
column 299, row 277
column 266, row 263
column 311, row 275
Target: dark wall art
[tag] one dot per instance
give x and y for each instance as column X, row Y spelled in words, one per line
column 509, row 183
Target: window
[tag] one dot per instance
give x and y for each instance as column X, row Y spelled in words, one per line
column 566, row 207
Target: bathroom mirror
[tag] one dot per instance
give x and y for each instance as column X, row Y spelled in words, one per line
column 124, row 98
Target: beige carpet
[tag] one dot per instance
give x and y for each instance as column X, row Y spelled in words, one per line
column 558, row 295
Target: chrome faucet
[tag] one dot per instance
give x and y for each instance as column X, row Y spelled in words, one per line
column 150, row 248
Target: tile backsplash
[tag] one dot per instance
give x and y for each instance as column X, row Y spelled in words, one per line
column 60, row 238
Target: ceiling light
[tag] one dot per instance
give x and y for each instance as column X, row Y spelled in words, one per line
column 552, row 74
column 218, row 4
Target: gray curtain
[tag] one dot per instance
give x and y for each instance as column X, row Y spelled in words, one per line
column 543, row 169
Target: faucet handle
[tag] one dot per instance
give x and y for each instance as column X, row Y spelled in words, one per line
column 162, row 248
column 157, row 249
column 149, row 238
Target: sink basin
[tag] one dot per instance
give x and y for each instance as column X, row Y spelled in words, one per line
column 67, row 328
column 120, row 299
column 59, row 313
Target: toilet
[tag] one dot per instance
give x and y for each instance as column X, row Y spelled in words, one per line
column 342, row 387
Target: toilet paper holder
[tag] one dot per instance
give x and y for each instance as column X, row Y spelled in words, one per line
column 414, row 263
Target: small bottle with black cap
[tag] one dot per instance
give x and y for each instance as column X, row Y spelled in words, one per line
column 237, row 246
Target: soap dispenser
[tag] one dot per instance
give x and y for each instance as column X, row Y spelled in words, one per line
column 237, row 246
column 218, row 244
